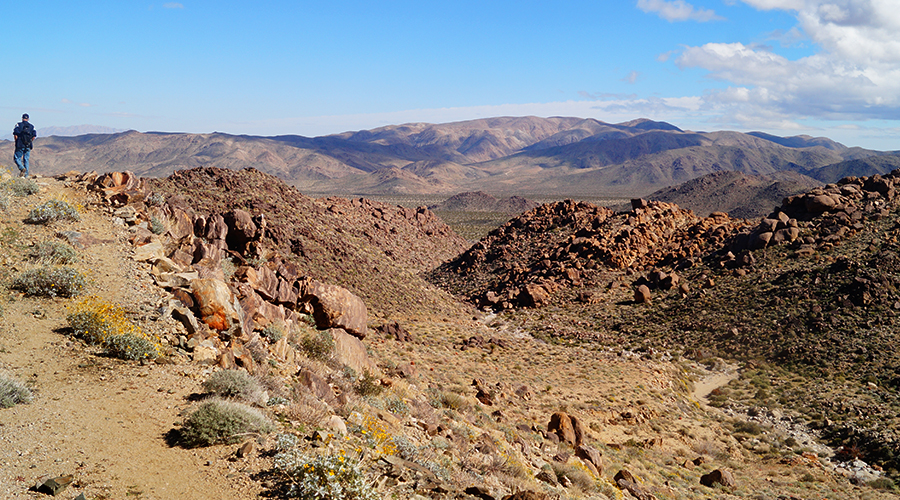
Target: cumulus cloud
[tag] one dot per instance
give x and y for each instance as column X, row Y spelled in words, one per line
column 854, row 76
column 677, row 10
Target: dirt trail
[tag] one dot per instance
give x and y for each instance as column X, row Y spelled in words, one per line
column 102, row 420
column 706, row 385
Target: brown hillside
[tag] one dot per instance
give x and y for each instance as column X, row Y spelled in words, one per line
column 369, row 247
column 737, row 194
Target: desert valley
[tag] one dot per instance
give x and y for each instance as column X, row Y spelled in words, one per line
column 507, row 308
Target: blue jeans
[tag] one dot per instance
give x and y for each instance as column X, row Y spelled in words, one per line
column 21, row 159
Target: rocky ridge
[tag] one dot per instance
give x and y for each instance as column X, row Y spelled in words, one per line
column 575, row 245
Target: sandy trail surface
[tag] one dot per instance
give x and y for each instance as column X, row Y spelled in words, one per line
column 102, row 420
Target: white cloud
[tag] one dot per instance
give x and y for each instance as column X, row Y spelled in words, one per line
column 632, row 77
column 854, row 76
column 173, row 5
column 677, row 10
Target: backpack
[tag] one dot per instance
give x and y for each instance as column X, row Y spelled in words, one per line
column 26, row 134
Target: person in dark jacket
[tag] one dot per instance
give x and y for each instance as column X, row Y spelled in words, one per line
column 24, row 134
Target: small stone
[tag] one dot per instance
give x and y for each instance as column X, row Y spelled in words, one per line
column 245, row 449
column 55, row 485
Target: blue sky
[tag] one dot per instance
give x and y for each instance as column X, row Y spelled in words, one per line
column 788, row 67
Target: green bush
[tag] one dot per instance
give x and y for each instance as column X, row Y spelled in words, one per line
column 53, row 253
column 273, row 333
column 13, row 392
column 368, row 384
column 327, row 477
column 131, row 347
column 219, row 421
column 52, row 211
column 157, row 226
column 50, row 282
column 237, row 384
column 319, row 345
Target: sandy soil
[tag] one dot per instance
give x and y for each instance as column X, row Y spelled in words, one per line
column 101, row 420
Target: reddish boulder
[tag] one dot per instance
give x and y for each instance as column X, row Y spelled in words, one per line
column 335, row 307
column 718, row 476
column 567, row 427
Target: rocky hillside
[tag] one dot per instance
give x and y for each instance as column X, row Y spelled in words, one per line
column 806, row 299
column 480, row 201
column 569, row 246
column 333, row 239
column 737, row 194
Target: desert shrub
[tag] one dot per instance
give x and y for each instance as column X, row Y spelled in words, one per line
column 318, row 345
column 228, row 268
column 220, row 421
column 368, row 384
column 396, row 405
column 50, row 282
column 454, row 401
column 52, row 211
column 272, row 332
column 156, row 199
column 748, row 427
column 883, row 483
column 327, row 477
column 306, row 409
column 157, row 226
column 131, row 347
column 99, row 322
column 576, row 474
column 53, row 253
column 19, row 186
column 13, row 392
column 237, row 384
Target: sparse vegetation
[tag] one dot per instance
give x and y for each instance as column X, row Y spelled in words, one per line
column 216, row 421
column 324, row 477
column 100, row 322
column 50, row 282
column 318, row 345
column 235, row 384
column 52, row 211
column 53, row 253
column 21, row 187
column 13, row 392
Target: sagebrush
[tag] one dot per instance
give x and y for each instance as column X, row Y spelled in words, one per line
column 219, row 421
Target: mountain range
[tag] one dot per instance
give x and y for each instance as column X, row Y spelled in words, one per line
column 538, row 157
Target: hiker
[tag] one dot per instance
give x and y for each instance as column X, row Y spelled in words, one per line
column 24, row 134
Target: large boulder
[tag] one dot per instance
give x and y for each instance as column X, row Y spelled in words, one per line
column 241, row 230
column 718, row 477
column 335, row 307
column 350, row 351
column 218, row 306
column 568, row 427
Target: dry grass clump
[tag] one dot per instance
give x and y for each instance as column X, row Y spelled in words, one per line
column 50, row 282
column 102, row 323
column 13, row 392
column 218, row 421
column 318, row 345
column 236, row 384
column 53, row 253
